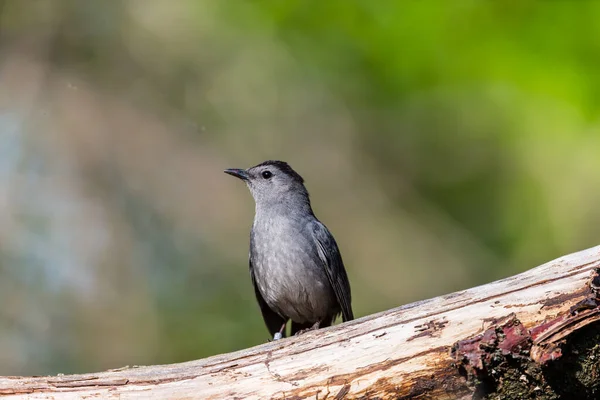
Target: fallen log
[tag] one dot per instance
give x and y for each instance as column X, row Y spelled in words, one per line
column 533, row 335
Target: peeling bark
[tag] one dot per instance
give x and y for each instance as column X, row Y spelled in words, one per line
column 535, row 335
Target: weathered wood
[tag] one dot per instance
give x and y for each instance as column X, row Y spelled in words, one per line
column 416, row 351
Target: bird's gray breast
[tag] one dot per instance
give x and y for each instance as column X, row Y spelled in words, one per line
column 288, row 272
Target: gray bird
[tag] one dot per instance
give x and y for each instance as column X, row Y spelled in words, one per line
column 295, row 264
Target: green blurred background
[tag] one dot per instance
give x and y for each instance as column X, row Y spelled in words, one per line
column 446, row 144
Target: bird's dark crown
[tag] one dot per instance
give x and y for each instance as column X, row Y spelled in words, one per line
column 283, row 167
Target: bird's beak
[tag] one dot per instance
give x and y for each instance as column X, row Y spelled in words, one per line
column 238, row 173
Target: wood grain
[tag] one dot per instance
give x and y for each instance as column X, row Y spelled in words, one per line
column 400, row 353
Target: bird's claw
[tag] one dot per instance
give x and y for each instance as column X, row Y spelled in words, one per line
column 312, row 328
column 277, row 336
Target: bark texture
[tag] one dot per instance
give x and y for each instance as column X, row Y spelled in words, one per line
column 534, row 335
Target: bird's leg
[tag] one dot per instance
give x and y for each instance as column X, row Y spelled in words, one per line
column 279, row 335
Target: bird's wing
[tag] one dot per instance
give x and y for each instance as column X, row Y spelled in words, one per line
column 329, row 255
column 273, row 320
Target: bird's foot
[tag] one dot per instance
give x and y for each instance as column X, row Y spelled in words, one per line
column 279, row 335
column 312, row 328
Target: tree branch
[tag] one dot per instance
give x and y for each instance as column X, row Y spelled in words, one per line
column 519, row 336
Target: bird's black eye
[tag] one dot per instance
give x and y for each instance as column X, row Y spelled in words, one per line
column 266, row 174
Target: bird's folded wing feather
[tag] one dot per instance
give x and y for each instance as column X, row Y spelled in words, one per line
column 329, row 255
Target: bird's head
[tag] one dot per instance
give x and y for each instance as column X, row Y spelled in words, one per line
column 272, row 182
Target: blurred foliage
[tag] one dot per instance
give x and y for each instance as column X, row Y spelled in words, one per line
column 446, row 144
